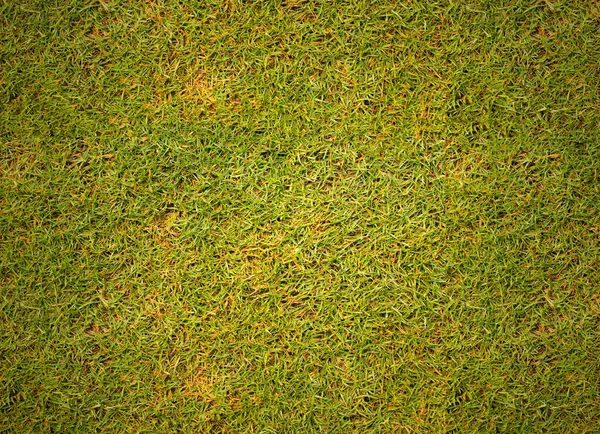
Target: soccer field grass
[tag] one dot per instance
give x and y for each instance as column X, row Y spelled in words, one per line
column 300, row 216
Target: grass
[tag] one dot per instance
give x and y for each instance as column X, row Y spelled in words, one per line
column 301, row 216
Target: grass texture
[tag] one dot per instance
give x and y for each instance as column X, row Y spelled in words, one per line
column 300, row 217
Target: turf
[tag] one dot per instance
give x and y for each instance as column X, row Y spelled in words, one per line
column 301, row 216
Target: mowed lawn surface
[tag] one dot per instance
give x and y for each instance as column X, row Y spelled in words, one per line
column 301, row 216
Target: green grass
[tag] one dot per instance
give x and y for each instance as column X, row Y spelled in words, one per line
column 302, row 216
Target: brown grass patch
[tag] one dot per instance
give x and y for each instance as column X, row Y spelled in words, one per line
column 199, row 387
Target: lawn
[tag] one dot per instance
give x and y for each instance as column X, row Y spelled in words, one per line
column 300, row 216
